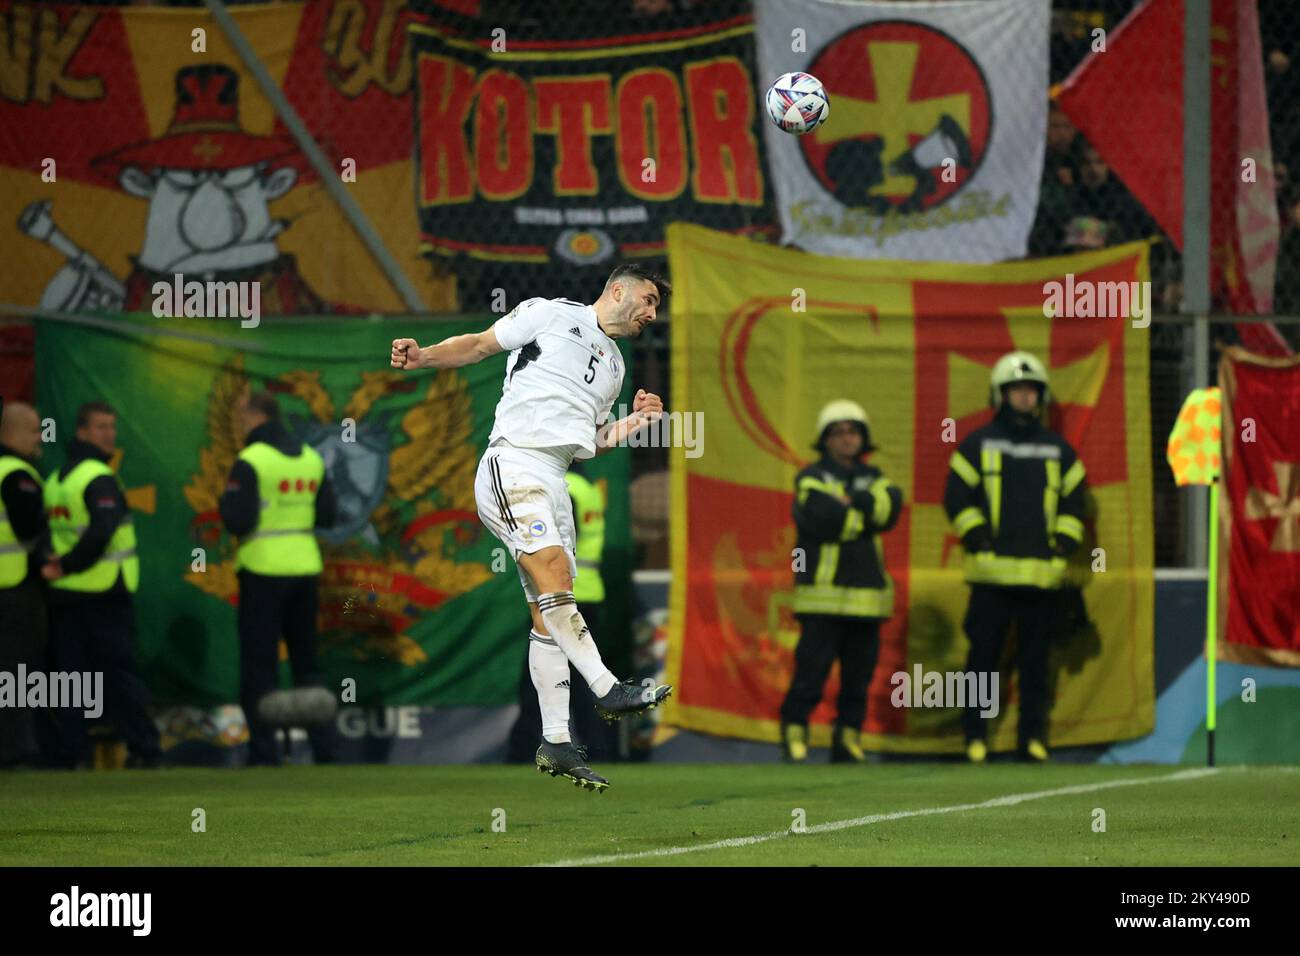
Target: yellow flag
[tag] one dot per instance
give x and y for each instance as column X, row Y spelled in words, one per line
column 763, row 337
column 1193, row 451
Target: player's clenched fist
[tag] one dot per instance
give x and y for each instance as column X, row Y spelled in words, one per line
column 648, row 405
column 406, row 354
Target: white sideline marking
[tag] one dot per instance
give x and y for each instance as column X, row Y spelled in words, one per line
column 1007, row 801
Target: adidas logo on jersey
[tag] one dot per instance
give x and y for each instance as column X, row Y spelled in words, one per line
column 563, row 683
column 576, row 331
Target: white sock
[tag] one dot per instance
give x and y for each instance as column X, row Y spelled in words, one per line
column 550, row 672
column 570, row 632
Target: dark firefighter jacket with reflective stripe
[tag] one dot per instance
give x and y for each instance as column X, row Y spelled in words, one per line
column 1015, row 498
column 839, row 561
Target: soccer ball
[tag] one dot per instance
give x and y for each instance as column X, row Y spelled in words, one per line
column 797, row 103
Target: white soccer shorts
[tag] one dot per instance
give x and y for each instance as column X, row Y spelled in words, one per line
column 525, row 502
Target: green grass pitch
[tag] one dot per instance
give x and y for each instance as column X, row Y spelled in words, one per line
column 379, row 815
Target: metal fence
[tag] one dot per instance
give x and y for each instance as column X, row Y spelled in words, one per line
column 1083, row 203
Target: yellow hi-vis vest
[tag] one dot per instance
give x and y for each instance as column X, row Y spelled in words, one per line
column 13, row 555
column 65, row 503
column 284, row 543
column 588, row 587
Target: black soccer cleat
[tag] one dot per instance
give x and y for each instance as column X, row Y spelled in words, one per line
column 629, row 697
column 569, row 761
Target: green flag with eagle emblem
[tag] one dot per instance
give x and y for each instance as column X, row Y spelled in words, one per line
column 419, row 603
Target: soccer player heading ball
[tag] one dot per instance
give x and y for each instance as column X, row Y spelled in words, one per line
column 563, row 375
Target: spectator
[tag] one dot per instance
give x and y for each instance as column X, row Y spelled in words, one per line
column 1105, row 212
column 1097, row 211
column 1064, row 154
column 1286, row 285
column 1061, row 161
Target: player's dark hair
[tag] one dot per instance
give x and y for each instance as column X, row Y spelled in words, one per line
column 265, row 403
column 93, row 408
column 638, row 271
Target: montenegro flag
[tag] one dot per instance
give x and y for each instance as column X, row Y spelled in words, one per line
column 1259, row 510
column 763, row 337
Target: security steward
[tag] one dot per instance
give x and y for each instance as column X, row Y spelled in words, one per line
column 1015, row 497
column 600, row 738
column 842, row 592
column 93, row 572
column 277, row 494
column 22, row 593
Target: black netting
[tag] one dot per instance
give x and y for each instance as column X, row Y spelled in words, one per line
column 1083, row 203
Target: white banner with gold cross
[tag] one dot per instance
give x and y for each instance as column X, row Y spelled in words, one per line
column 934, row 144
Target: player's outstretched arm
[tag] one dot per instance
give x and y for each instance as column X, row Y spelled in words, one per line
column 455, row 352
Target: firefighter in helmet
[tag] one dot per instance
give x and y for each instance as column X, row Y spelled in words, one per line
column 1015, row 496
column 842, row 592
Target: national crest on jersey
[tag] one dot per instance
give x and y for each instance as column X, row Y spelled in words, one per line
column 563, row 376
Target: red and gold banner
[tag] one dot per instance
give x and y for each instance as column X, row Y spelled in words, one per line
column 135, row 144
column 1259, row 510
column 762, row 338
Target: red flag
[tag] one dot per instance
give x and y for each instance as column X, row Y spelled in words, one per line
column 1243, row 193
column 1259, row 509
column 1262, row 338
column 1128, row 102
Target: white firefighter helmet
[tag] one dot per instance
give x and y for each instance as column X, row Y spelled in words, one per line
column 1017, row 367
column 844, row 410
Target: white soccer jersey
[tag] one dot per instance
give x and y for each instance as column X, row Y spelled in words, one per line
column 562, row 376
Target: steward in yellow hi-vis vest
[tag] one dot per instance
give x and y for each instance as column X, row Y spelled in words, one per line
column 1015, row 498
column 275, row 499
column 23, row 528
column 70, row 503
column 842, row 591
column 283, row 542
column 93, row 571
column 22, row 501
column 589, row 517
